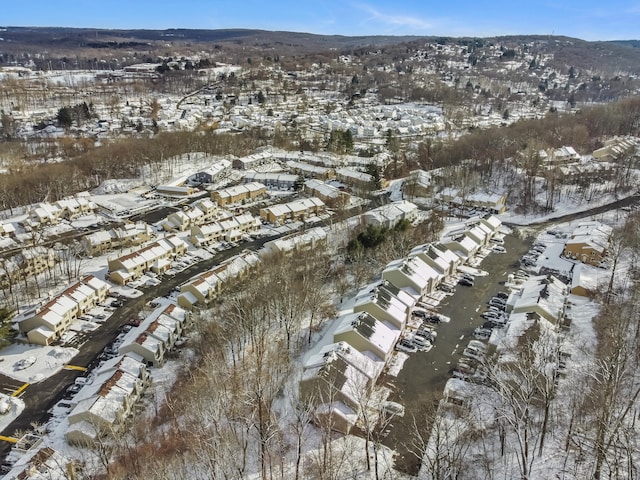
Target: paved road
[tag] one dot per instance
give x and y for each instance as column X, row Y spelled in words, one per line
column 40, row 397
column 623, row 202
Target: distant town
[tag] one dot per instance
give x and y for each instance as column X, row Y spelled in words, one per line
column 245, row 259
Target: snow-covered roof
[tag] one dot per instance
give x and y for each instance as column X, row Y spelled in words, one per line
column 107, row 400
column 236, row 190
column 369, row 328
column 354, row 175
column 365, row 364
column 43, row 463
column 392, row 307
column 544, row 294
column 442, row 259
column 296, row 240
column 416, row 272
column 344, row 377
column 324, row 189
column 594, row 234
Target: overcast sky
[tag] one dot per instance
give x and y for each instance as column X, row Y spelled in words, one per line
column 586, row 19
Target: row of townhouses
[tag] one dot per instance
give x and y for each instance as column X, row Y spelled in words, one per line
column 203, row 211
column 362, row 341
column 104, row 406
column 67, row 208
column 126, row 236
column 297, row 210
column 229, row 229
column 203, row 288
column 50, row 321
column 155, row 257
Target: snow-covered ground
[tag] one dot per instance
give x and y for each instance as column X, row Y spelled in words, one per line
column 33, row 363
column 10, row 408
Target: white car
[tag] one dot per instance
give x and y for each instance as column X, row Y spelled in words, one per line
column 421, row 343
column 477, row 344
column 393, row 409
column 499, row 249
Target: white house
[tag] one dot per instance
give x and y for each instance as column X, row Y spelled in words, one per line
column 367, row 334
column 307, row 239
column 464, row 246
column 437, row 256
column 412, row 273
column 384, row 306
column 544, row 295
column 103, row 406
column 391, row 214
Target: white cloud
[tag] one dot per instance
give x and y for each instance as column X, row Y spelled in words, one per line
column 407, row 21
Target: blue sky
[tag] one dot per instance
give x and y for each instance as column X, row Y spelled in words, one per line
column 586, row 19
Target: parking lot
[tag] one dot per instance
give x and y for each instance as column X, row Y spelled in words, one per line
column 425, row 373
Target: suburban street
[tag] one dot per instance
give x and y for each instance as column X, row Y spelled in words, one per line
column 40, row 397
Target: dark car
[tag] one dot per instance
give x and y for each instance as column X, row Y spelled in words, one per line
column 465, row 282
column 493, row 324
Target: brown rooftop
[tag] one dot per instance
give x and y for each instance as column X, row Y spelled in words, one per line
column 108, row 385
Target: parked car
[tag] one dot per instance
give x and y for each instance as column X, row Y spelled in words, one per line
column 446, row 288
column 499, row 249
column 502, row 295
column 473, row 353
column 492, row 315
column 497, row 303
column 420, row 313
column 393, row 409
column 465, row 367
column 405, row 345
column 496, row 240
column 465, row 282
column 477, row 344
column 437, row 318
column 74, row 388
column 424, row 334
column 421, row 342
column 428, row 329
column 468, row 276
column 494, row 323
column 482, row 333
